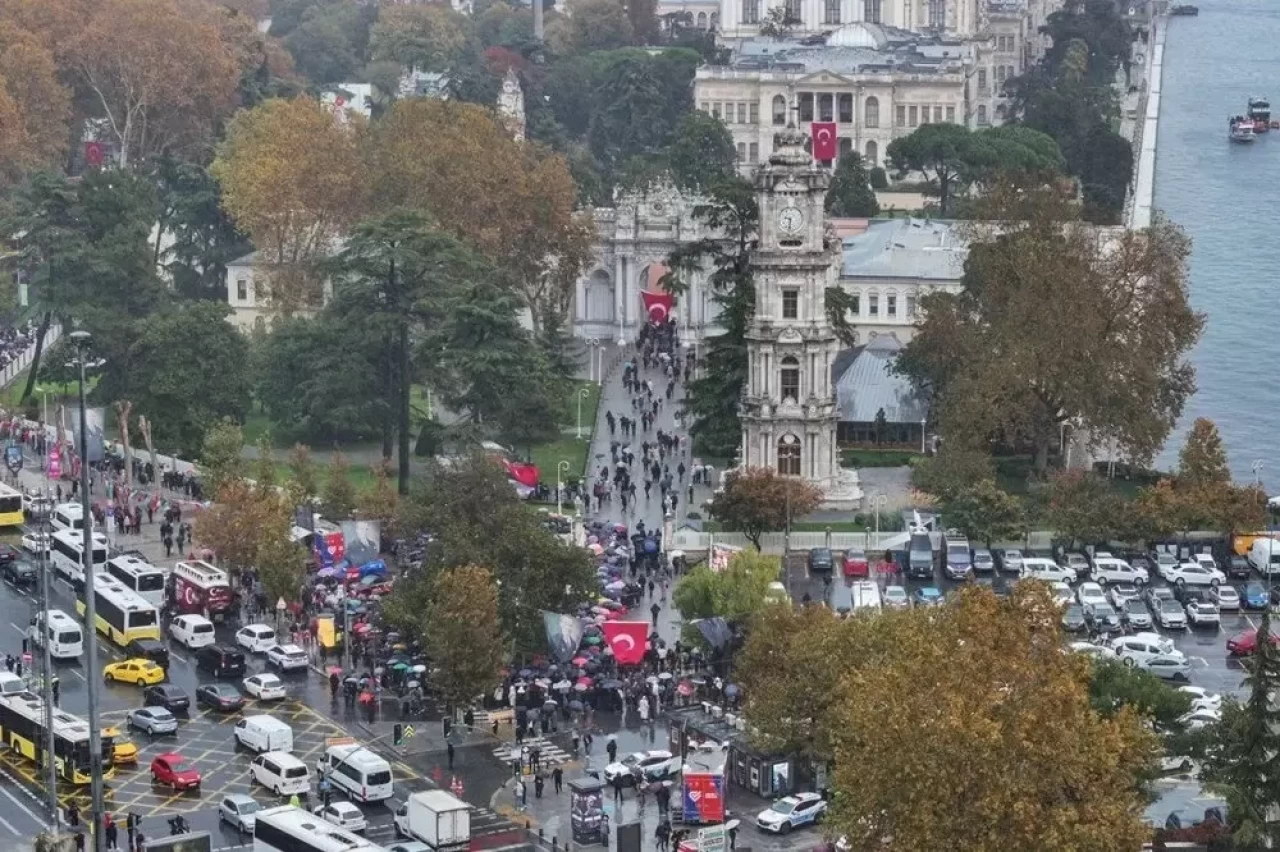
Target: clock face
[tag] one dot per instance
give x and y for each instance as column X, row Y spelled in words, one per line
column 790, row 220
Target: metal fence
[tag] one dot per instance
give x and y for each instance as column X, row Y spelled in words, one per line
column 776, row 544
column 15, row 367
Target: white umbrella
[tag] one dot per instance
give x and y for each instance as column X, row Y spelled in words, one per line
column 562, row 685
column 419, row 669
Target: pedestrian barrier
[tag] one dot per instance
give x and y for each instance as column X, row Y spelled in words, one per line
column 16, row 367
column 776, row 543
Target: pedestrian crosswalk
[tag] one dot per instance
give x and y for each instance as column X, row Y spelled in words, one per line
column 549, row 754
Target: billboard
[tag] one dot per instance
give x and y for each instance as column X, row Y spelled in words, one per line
column 363, row 540
column 702, row 795
column 95, row 420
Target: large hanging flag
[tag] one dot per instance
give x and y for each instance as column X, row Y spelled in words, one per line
column 524, row 474
column 627, row 639
column 825, row 146
column 658, row 304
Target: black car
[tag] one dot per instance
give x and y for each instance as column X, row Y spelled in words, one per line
column 168, row 696
column 1185, row 594
column 149, row 649
column 821, row 561
column 220, row 661
column 220, row 696
column 1136, row 615
column 20, row 572
column 1073, row 620
column 9, row 553
column 1102, row 618
column 1238, row 567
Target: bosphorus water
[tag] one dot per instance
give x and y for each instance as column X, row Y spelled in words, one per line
column 1226, row 196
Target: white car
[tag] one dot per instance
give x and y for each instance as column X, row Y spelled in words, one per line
column 286, row 657
column 255, row 638
column 343, row 815
column 1138, row 649
column 1090, row 594
column 1199, row 719
column 1226, row 597
column 1201, row 697
column 36, row 543
column 1168, row 667
column 1205, row 559
column 1108, row 569
column 264, row 687
column 654, row 765
column 792, row 812
column 1121, row 593
column 194, row 631
column 1061, row 592
column 1171, row 615
column 1201, row 613
column 896, row 597
column 1100, row 652
column 1192, row 574
column 1011, row 561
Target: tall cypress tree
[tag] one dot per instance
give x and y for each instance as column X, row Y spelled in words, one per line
column 850, row 193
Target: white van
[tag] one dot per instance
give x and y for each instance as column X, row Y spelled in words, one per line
column 61, row 631
column 281, row 773
column 1039, row 568
column 865, row 594
column 194, row 631
column 1264, row 556
column 364, row 775
column 67, row 516
column 11, row 684
column 264, row 733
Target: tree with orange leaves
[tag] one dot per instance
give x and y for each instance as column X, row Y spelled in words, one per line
column 162, row 79
column 33, row 131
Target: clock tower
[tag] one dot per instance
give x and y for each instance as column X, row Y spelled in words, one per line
column 788, row 409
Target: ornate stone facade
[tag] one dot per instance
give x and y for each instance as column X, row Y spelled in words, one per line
column 633, row 240
column 511, row 105
column 789, row 404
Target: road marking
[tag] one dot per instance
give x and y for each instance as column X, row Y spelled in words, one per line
column 76, row 672
column 179, row 656
column 9, row 826
column 24, row 808
column 17, row 628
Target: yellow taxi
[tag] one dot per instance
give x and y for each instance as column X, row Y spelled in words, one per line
column 139, row 671
column 124, row 751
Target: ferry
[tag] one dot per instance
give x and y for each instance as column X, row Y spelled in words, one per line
column 1240, row 129
column 1260, row 112
column 1185, row 10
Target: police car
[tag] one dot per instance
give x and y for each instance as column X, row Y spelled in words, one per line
column 792, row 812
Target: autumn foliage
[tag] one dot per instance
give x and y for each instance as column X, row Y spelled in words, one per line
column 758, row 500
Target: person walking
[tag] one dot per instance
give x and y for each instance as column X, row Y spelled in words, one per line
column 655, row 609
column 112, row 833
column 557, row 779
column 449, row 752
column 617, row 788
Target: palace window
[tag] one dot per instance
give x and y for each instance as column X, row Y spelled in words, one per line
column 742, row 151
column 873, row 305
column 912, row 116
column 982, row 115
column 937, row 115
column 911, row 307
column 844, row 103
column 855, row 304
column 789, row 455
column 750, row 11
column 806, row 107
column 826, row 103
column 753, row 113
column 753, row 152
column 779, row 110
column 901, row 116
column 790, row 304
column 242, row 289
column 891, row 305
column 871, row 11
column 871, row 112
column 832, row 12
column 846, row 145
column 715, row 109
column 951, row 114
column 789, row 379
column 937, row 14
column 793, row 12
column 982, row 79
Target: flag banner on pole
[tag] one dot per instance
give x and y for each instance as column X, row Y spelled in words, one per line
column 824, row 140
column 627, row 639
column 658, row 304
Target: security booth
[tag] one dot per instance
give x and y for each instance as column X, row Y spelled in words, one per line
column 586, row 811
column 701, row 726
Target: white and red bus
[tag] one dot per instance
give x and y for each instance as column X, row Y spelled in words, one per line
column 202, row 589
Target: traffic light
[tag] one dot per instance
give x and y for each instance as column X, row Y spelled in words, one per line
column 397, row 734
column 448, row 725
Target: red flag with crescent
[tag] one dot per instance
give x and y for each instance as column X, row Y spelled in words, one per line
column 824, row 140
column 627, row 639
column 525, row 474
column 95, row 153
column 658, row 304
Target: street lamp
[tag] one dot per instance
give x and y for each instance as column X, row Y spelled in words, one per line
column 1257, row 473
column 594, row 343
column 877, row 502
column 923, row 423
column 562, row 469
column 80, row 339
column 583, row 393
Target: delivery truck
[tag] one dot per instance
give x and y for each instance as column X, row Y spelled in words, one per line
column 438, row 819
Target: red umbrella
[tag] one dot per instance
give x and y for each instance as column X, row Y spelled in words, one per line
column 579, row 661
column 685, row 688
column 584, row 681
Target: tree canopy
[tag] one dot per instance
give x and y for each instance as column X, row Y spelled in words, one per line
column 850, row 193
column 755, row 501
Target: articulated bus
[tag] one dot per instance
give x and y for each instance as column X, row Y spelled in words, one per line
column 11, row 514
column 22, row 730
column 121, row 615
column 140, row 577
column 289, row 829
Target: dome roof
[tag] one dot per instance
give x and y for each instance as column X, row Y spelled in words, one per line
column 857, row 35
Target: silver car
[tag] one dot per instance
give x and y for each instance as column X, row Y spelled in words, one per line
column 153, row 720
column 1168, row 666
column 239, row 809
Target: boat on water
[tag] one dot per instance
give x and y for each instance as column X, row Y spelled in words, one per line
column 1260, row 113
column 1240, row 129
column 1185, row 10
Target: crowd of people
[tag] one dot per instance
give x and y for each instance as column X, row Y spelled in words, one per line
column 15, row 340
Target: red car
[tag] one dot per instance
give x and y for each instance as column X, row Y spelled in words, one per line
column 856, row 564
column 173, row 769
column 1244, row 644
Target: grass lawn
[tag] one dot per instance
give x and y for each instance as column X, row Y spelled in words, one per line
column 568, row 447
column 361, row 476
column 860, row 457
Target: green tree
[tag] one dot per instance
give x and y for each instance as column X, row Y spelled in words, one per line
column 850, row 193
column 1083, row 507
column 737, row 592
column 638, row 101
column 463, row 634
column 1113, row 684
column 779, row 22
column 330, row 40
column 1240, row 760
column 430, row 38
column 189, row 371
column 984, row 512
column 1203, row 460
column 302, row 471
column 711, row 399
column 1106, row 170
column 204, row 238
column 940, row 151
column 701, row 152
column 952, row 469
column 880, row 425
column 1056, row 325
column 339, row 495
column 588, row 26
column 220, row 455
column 757, row 501
column 265, row 470
column 281, row 563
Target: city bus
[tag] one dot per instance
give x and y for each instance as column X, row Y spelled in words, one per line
column 289, row 829
column 66, row 549
column 121, row 615
column 11, row 514
column 140, row 577
column 22, row 730
column 63, row 633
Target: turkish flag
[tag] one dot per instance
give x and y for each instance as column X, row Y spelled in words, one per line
column 627, row 639
column 94, row 153
column 824, row 140
column 658, row 304
column 525, row 474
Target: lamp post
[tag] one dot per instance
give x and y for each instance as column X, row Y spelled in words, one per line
column 80, row 339
column 923, row 423
column 594, row 343
column 877, row 502
column 1257, row 473
column 583, row 393
column 562, row 469
column 46, row 659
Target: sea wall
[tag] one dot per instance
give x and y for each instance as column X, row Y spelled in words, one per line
column 1142, row 195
